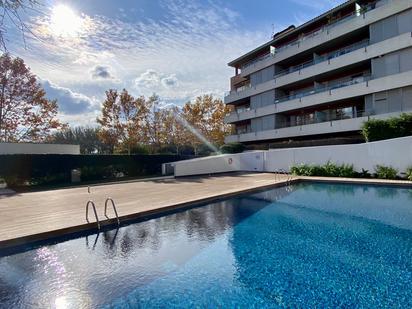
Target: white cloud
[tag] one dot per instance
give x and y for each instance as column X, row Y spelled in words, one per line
column 152, row 81
column 69, row 102
column 170, row 81
column 148, row 80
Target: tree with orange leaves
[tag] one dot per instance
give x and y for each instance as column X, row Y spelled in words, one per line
column 25, row 113
column 206, row 115
column 123, row 120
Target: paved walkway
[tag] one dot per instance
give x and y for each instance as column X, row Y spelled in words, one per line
column 61, row 211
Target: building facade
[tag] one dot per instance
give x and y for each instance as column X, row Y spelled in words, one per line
column 326, row 77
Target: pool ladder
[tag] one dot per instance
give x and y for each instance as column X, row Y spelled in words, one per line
column 280, row 172
column 91, row 203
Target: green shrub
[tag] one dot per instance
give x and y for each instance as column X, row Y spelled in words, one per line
column 364, row 174
column 302, row 170
column 376, row 129
column 327, row 170
column 409, row 173
column 385, row 172
column 232, row 148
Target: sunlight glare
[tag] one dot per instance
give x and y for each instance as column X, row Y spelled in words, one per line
column 64, row 22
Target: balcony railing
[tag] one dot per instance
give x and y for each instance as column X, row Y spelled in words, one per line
column 243, row 131
column 289, row 124
column 302, row 66
column 236, row 112
column 316, row 90
column 328, row 118
column 238, row 90
column 329, row 56
column 341, row 84
column 312, row 34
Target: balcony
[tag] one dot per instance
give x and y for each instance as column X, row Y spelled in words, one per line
column 337, row 94
column 340, row 52
column 328, row 118
column 248, row 89
column 340, row 84
column 316, row 128
column 350, row 24
column 251, row 113
column 352, row 54
column 324, row 29
column 239, row 90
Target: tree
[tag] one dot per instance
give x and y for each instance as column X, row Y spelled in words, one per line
column 176, row 135
column 86, row 137
column 154, row 124
column 122, row 120
column 10, row 13
column 25, row 113
column 127, row 123
column 206, row 116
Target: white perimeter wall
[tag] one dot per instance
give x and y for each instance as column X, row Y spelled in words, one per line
column 29, row 148
column 247, row 161
column 394, row 152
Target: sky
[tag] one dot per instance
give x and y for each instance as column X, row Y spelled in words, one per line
column 178, row 49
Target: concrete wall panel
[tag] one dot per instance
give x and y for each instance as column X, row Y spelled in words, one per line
column 29, row 148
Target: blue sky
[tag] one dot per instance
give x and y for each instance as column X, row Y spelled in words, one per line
column 178, row 49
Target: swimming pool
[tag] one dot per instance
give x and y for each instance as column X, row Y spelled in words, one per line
column 311, row 244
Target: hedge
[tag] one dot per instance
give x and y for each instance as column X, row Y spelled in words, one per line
column 329, row 169
column 20, row 170
column 376, row 129
column 232, row 148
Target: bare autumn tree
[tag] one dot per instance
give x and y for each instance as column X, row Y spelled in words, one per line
column 10, row 13
column 25, row 113
column 122, row 120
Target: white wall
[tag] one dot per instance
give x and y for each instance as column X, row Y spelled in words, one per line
column 247, row 161
column 31, row 148
column 394, row 152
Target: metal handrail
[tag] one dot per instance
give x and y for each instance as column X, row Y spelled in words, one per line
column 114, row 208
column 283, row 172
column 90, row 202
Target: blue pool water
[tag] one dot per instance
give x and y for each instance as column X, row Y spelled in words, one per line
column 312, row 245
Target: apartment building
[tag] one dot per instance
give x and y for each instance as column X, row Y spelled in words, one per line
column 326, row 77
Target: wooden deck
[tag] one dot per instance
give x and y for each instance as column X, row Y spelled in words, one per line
column 38, row 215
